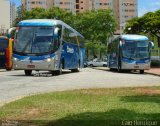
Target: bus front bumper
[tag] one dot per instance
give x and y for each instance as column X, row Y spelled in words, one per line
column 34, row 65
column 140, row 66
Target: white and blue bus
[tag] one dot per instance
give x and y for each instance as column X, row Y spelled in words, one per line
column 129, row 52
column 47, row 45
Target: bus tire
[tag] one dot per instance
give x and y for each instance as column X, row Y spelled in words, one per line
column 8, row 69
column 119, row 67
column 28, row 72
column 141, row 71
column 59, row 72
column 77, row 69
column 91, row 65
column 104, row 65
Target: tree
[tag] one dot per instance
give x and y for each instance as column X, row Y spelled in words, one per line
column 52, row 13
column 148, row 23
column 97, row 27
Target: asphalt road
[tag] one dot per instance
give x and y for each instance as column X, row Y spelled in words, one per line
column 15, row 84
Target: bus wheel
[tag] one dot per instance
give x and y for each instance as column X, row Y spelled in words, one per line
column 119, row 69
column 104, row 65
column 141, row 71
column 59, row 72
column 8, row 69
column 77, row 69
column 28, row 72
column 91, row 65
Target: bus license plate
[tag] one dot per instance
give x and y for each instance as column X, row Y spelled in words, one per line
column 31, row 66
column 136, row 67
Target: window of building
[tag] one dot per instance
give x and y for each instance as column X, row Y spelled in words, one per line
column 77, row 6
column 106, row 3
column 67, row 3
column 77, row 11
column 77, row 1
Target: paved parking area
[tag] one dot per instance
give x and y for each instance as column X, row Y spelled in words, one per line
column 15, row 84
column 154, row 71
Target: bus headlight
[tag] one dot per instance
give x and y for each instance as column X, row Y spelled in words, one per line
column 15, row 59
column 48, row 60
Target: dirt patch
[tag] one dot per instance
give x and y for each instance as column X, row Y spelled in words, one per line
column 145, row 91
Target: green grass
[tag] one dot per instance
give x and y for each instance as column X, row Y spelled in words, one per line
column 92, row 107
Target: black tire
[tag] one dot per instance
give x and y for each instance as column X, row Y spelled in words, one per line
column 91, row 65
column 119, row 67
column 8, row 69
column 77, row 69
column 59, row 72
column 111, row 69
column 104, row 65
column 141, row 71
column 28, row 72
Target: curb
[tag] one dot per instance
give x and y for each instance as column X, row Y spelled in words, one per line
column 144, row 72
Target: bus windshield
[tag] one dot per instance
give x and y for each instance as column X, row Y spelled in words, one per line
column 3, row 43
column 34, row 40
column 135, row 49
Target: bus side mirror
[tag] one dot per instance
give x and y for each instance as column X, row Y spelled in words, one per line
column 151, row 44
column 56, row 33
column 57, row 37
column 11, row 32
column 120, row 43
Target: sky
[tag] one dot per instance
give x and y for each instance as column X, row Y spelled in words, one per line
column 144, row 6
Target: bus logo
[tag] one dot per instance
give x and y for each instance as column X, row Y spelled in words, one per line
column 70, row 50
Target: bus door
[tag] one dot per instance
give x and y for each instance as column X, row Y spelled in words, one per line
column 3, row 52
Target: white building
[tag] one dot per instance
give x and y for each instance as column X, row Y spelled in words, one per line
column 4, row 16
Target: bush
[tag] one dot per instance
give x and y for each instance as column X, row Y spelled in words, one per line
column 155, row 64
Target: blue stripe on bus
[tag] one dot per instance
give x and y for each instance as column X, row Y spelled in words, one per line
column 134, row 37
column 146, row 60
column 36, row 23
column 19, row 57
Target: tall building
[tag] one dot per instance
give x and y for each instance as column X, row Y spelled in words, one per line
column 128, row 9
column 68, row 5
column 4, row 16
column 123, row 9
column 12, row 13
column 30, row 4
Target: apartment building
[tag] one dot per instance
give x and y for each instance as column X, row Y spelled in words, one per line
column 68, row 5
column 30, row 4
column 4, row 16
column 123, row 9
column 128, row 9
